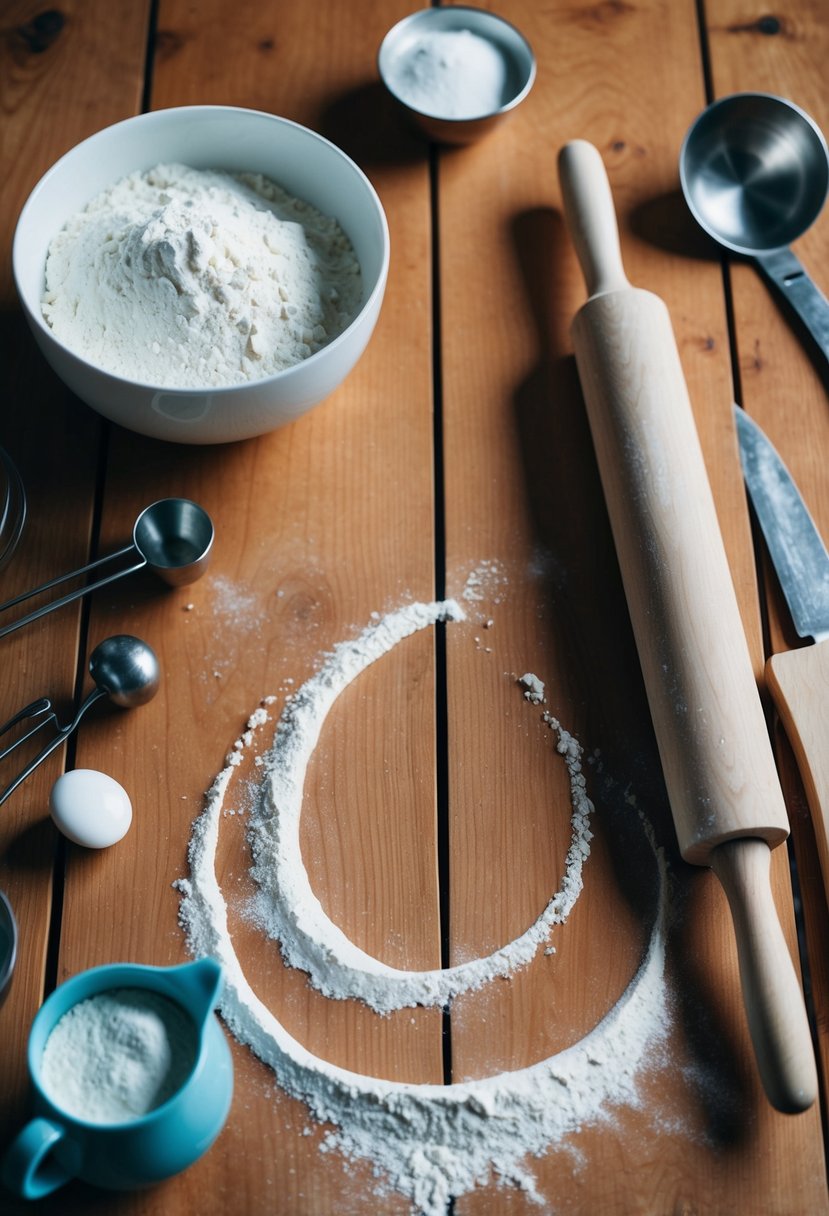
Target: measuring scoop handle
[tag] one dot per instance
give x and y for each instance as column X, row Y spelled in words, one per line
column 72, row 595
column 789, row 276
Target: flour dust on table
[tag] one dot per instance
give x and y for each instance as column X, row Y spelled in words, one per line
column 427, row 1142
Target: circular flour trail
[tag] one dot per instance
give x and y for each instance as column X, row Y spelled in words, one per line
column 431, row 1143
column 286, row 906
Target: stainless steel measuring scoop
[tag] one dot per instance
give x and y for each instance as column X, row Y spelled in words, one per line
column 754, row 170
column 173, row 537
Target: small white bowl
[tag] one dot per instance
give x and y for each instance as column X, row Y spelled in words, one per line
column 509, row 44
column 207, row 137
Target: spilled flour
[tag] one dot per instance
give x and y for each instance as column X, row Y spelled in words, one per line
column 286, row 906
column 428, row 1142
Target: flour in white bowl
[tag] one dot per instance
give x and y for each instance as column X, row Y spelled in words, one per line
column 427, row 1142
column 194, row 278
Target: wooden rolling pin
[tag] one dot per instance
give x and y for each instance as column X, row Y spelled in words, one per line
column 713, row 741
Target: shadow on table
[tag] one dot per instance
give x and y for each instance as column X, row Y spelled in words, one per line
column 367, row 124
column 666, row 223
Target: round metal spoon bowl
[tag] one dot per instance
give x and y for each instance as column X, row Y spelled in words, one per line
column 126, row 669
column 754, row 169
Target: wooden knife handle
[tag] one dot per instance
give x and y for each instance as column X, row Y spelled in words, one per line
column 771, row 989
column 799, row 685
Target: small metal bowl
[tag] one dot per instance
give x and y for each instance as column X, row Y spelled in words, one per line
column 407, row 39
column 8, row 944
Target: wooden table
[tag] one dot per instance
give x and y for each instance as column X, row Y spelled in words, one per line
column 436, row 813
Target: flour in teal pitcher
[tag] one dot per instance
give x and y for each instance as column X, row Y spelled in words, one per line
column 118, row 1055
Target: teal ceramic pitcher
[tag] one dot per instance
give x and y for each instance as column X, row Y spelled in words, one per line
column 57, row 1145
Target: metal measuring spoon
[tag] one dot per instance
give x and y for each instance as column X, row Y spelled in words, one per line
column 754, row 170
column 173, row 537
column 124, row 668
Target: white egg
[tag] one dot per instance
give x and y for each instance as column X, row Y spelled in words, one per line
column 90, row 808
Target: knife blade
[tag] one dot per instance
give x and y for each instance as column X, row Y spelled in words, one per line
column 795, row 546
column 798, row 680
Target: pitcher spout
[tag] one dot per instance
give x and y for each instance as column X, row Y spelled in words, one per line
column 198, row 986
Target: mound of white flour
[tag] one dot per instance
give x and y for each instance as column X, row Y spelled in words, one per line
column 188, row 278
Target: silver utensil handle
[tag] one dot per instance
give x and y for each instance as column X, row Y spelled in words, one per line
column 63, row 733
column 789, row 276
column 37, row 709
column 72, row 595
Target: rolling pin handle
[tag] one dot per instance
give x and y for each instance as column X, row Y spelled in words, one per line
column 591, row 217
column 771, row 990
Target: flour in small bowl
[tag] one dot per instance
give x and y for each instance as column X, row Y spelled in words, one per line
column 195, row 278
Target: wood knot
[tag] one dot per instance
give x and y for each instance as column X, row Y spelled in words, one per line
column 266, row 44
column 604, row 11
column 618, row 146
column 768, row 25
column 754, row 362
column 168, row 43
column 42, row 30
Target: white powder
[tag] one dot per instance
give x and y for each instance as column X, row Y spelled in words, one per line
column 533, row 688
column 428, row 1142
column 186, row 277
column 450, row 74
column 486, row 581
column 286, row 906
column 118, row 1055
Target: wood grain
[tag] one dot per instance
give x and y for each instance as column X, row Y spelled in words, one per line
column 420, row 843
column 799, row 683
column 780, row 382
column 55, row 89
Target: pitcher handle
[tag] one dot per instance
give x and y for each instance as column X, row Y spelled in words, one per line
column 30, row 1168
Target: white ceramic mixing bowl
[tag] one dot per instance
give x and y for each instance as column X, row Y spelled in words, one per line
column 215, row 137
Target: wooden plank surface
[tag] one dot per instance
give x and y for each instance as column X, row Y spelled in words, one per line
column 783, row 381
column 339, row 516
column 56, row 89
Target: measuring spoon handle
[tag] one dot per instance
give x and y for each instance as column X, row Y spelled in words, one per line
column 789, row 276
column 72, row 595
